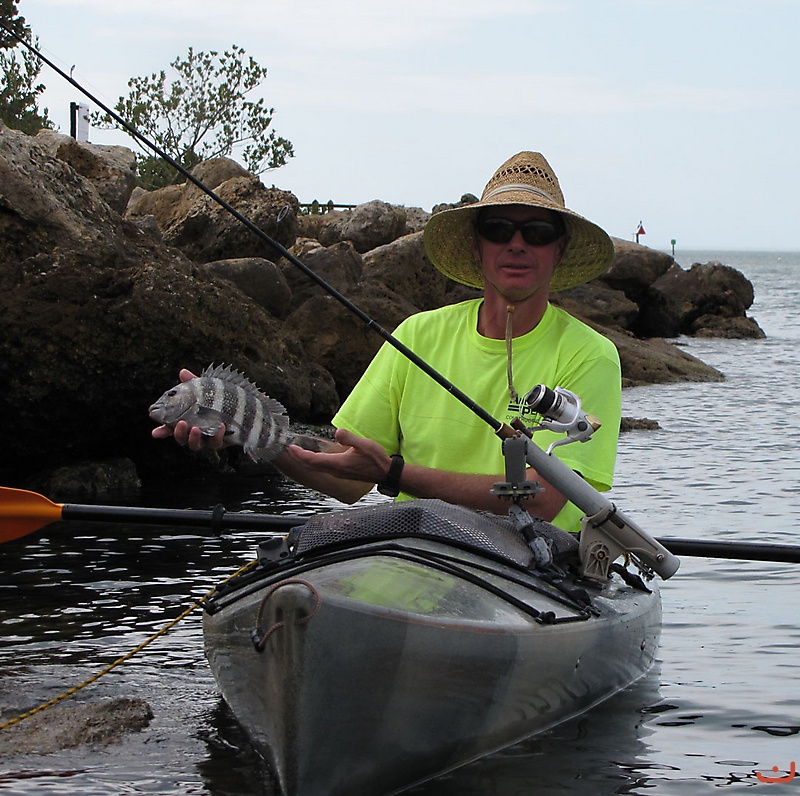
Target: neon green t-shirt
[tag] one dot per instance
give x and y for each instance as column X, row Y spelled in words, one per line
column 406, row 411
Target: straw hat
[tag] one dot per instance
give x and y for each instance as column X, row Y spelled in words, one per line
column 524, row 179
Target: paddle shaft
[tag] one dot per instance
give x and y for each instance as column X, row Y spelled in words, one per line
column 748, row 551
column 217, row 518
column 23, row 512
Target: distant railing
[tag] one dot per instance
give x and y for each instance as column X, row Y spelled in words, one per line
column 316, row 208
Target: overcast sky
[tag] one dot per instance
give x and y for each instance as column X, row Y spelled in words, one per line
column 681, row 114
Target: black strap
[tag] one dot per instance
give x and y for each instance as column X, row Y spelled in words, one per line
column 390, row 485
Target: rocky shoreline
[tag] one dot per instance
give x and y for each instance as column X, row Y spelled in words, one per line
column 107, row 291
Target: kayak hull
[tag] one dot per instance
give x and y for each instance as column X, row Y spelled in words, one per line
column 378, row 669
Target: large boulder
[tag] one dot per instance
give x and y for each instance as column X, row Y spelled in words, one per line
column 47, row 212
column 329, row 333
column 656, row 361
column 598, row 302
column 111, row 169
column 404, row 268
column 710, row 299
column 366, row 226
column 633, row 272
column 339, row 265
column 635, row 268
column 260, row 279
column 205, row 231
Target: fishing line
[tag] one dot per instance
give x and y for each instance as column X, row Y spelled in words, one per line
column 499, row 428
column 128, row 655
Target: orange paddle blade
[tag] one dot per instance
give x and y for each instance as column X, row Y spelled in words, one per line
column 23, row 512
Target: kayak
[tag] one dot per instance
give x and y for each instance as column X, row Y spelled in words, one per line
column 378, row 647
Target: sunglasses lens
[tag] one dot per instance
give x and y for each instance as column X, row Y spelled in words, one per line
column 496, row 230
column 501, row 230
column 538, row 233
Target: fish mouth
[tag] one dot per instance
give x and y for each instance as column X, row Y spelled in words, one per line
column 156, row 412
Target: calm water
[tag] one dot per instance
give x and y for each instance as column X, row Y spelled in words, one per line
column 720, row 705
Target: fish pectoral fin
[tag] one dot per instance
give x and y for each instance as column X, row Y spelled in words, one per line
column 209, row 421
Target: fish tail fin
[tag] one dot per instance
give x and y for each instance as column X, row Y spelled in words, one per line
column 312, row 443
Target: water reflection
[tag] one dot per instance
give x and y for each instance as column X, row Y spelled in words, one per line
column 603, row 752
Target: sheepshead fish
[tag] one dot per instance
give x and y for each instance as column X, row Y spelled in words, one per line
column 221, row 395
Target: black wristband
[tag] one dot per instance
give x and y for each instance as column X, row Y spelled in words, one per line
column 390, row 485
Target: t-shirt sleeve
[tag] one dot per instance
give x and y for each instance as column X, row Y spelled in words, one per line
column 371, row 409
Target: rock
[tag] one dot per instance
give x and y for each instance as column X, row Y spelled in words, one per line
column 340, row 265
column 635, row 268
column 366, row 226
column 205, row 232
column 709, row 296
column 69, row 725
column 731, row 328
column 97, row 316
column 466, row 199
column 598, row 302
column 335, row 338
column 638, row 424
column 405, row 269
column 44, row 199
column 260, row 279
column 215, row 171
column 416, row 219
column 373, row 224
column 111, row 169
column 657, row 361
column 633, row 272
column 83, row 481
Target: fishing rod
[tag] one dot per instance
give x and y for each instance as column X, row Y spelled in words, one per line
column 499, row 428
column 608, row 534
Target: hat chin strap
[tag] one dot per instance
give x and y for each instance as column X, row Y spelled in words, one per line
column 510, row 351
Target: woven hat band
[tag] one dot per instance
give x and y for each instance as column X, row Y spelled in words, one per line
column 519, row 187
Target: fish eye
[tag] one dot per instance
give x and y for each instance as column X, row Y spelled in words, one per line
column 172, row 392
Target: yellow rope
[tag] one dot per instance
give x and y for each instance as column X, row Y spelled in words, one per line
column 127, row 656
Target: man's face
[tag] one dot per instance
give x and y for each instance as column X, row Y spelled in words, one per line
column 518, row 270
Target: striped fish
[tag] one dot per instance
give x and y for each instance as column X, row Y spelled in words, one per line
column 223, row 396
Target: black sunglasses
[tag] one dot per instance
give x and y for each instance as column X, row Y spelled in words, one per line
column 534, row 233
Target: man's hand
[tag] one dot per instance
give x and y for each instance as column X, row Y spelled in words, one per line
column 359, row 459
column 185, row 434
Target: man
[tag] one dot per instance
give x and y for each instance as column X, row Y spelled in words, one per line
column 401, row 430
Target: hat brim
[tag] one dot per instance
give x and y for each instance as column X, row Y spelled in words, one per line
column 449, row 240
